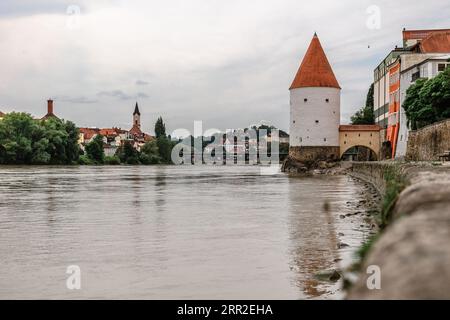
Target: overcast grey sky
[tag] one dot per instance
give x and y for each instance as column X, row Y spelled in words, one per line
column 228, row 63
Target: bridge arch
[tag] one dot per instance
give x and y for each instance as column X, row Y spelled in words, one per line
column 356, row 136
column 359, row 153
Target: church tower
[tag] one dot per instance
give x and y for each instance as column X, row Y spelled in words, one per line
column 314, row 109
column 136, row 129
column 136, row 117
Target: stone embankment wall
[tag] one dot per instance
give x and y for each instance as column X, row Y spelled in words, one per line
column 427, row 143
column 413, row 251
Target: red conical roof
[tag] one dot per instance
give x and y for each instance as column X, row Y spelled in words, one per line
column 315, row 70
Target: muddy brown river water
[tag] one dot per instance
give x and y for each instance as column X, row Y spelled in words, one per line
column 175, row 232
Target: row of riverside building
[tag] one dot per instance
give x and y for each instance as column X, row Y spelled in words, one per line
column 424, row 54
column 113, row 137
column 316, row 133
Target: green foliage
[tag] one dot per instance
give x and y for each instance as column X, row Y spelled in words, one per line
column 160, row 128
column 428, row 100
column 112, row 160
column 128, row 154
column 362, row 251
column 85, row 160
column 24, row 140
column 365, row 115
column 94, row 150
column 150, row 153
column 165, row 149
column 395, row 183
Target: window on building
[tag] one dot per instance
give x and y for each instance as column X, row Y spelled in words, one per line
column 293, row 121
column 359, row 134
column 345, row 142
column 305, row 100
column 441, row 67
column 345, row 134
column 301, row 139
column 415, row 76
column 327, row 100
column 317, row 121
column 324, row 139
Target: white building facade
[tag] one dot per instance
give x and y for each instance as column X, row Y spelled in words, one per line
column 429, row 67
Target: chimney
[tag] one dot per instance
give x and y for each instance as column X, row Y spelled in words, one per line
column 50, row 106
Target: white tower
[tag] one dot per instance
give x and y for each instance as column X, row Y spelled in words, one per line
column 314, row 108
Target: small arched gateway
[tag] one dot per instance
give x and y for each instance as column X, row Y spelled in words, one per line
column 353, row 137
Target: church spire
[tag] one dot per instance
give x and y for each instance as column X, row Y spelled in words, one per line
column 136, row 109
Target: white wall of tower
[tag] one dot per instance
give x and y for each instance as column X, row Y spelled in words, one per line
column 314, row 121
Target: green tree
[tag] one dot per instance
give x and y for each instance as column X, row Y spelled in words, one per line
column 22, row 140
column 128, row 154
column 160, row 128
column 428, row 101
column 150, row 153
column 94, row 149
column 365, row 115
column 413, row 103
column 165, row 149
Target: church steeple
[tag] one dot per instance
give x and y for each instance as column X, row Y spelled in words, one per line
column 136, row 109
column 136, row 117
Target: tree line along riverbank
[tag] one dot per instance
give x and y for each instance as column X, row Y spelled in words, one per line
column 27, row 141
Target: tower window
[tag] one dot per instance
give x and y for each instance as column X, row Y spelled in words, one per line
column 327, row 100
column 305, row 100
column 324, row 139
column 301, row 139
column 317, row 121
column 293, row 121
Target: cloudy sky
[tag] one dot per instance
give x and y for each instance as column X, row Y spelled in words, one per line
column 227, row 63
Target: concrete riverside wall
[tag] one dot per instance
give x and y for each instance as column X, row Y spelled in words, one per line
column 413, row 252
column 427, row 143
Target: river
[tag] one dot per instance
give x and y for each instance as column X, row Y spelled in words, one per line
column 173, row 232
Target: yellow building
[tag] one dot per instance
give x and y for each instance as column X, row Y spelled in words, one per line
column 351, row 136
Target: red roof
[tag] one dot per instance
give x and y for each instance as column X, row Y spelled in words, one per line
column 436, row 42
column 420, row 34
column 315, row 70
column 108, row 132
column 2, row 114
column 135, row 130
column 88, row 133
column 359, row 127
